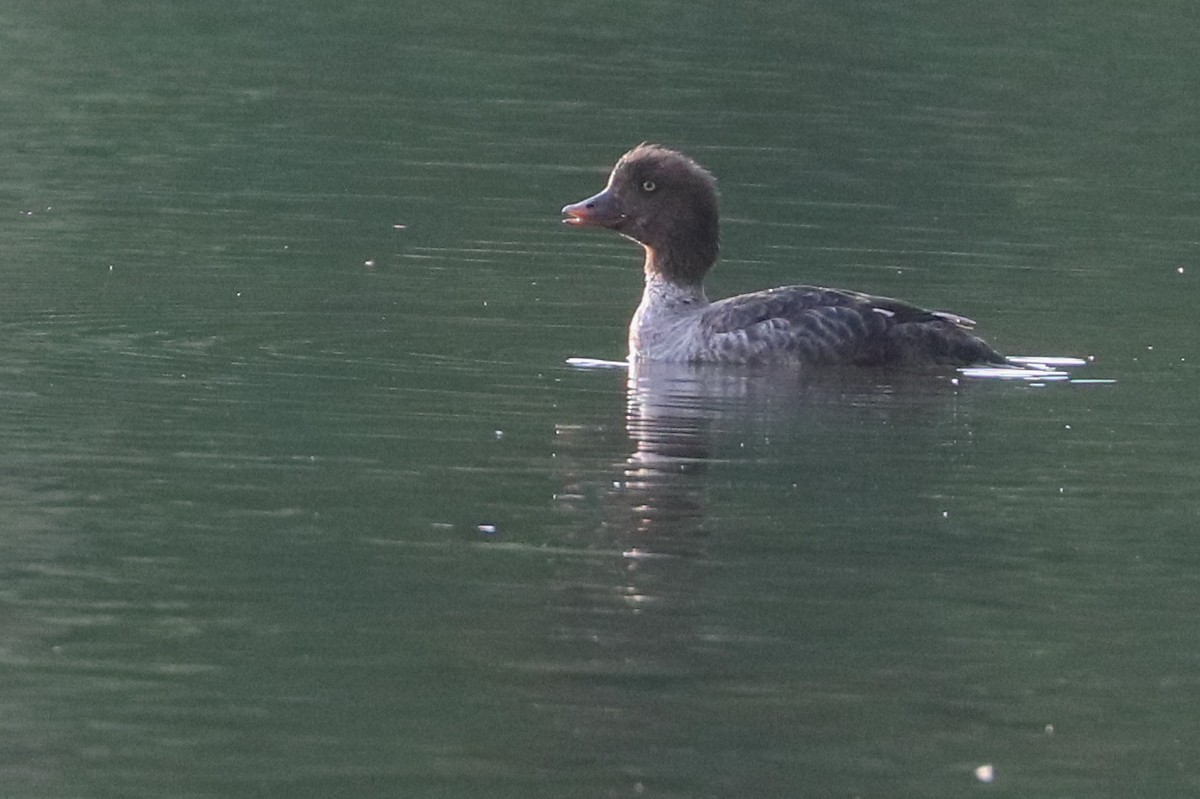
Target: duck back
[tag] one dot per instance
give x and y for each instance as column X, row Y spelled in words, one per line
column 816, row 325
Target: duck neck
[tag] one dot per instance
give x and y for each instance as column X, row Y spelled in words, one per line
column 663, row 325
column 663, row 292
column 682, row 266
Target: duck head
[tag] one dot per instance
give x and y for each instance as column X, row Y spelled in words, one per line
column 666, row 202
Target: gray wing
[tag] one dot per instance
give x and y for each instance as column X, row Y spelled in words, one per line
column 810, row 324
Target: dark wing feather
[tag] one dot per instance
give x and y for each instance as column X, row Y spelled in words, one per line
column 819, row 325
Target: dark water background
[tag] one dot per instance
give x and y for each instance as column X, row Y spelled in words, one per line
column 299, row 498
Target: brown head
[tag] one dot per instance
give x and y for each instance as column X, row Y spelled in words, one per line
column 666, row 202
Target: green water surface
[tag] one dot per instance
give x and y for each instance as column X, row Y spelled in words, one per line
column 299, row 497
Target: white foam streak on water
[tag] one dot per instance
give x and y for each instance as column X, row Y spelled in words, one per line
column 1032, row 368
column 1011, row 373
column 1035, row 360
column 596, row 363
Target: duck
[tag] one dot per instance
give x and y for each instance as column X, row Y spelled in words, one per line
column 668, row 203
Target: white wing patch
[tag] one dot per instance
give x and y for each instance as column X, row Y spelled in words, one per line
column 961, row 321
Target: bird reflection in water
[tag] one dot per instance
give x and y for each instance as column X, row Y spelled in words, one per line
column 682, row 420
column 641, row 615
column 667, row 422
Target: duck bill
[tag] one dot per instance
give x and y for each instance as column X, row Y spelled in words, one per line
column 598, row 211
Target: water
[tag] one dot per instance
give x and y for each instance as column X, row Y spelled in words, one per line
column 302, row 499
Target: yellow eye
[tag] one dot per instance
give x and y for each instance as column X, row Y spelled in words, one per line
column 649, row 186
